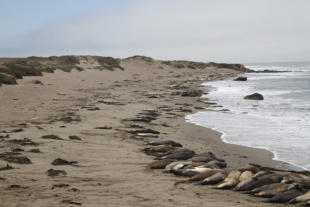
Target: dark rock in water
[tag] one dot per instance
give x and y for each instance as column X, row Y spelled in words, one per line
column 52, row 172
column 160, row 164
column 179, row 155
column 285, row 196
column 192, row 93
column 254, row 96
column 60, row 161
column 165, row 142
column 51, row 136
column 73, row 137
column 241, row 78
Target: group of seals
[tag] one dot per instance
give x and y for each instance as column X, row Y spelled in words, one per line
column 278, row 186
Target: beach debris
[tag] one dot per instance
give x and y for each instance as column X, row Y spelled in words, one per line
column 192, row 93
column 15, row 157
column 14, row 186
column 17, row 130
column 4, row 136
column 144, row 131
column 51, row 136
column 103, row 127
column 35, row 151
column 24, row 142
column 164, row 142
column 254, row 96
column 60, row 161
column 71, row 202
column 61, row 185
column 241, row 78
column 6, row 167
column 73, row 137
column 52, row 172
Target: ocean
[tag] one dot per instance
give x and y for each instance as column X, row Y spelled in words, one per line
column 280, row 123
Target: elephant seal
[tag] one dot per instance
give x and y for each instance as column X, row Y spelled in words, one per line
column 200, row 176
column 300, row 179
column 160, row 164
column 204, row 175
column 251, row 167
column 285, row 196
column 272, row 192
column 301, row 198
column 183, row 154
column 230, row 181
column 170, row 166
column 214, row 179
column 219, row 164
column 194, row 171
column 164, row 142
column 158, row 151
column 258, row 180
column 264, row 187
column 205, row 157
column 245, row 175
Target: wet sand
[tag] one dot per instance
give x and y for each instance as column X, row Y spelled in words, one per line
column 109, row 168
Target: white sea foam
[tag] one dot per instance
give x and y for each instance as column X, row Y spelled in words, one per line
column 279, row 124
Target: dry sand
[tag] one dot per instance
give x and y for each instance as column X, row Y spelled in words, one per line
column 111, row 169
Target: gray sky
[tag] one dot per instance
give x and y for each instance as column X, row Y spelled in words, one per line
column 206, row 30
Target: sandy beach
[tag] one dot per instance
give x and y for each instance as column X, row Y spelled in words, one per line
column 86, row 111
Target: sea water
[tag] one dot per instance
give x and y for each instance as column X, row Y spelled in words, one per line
column 280, row 123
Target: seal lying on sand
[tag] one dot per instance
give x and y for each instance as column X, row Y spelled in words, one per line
column 230, row 181
column 258, row 180
column 183, row 154
column 262, row 188
column 216, row 178
column 272, row 192
column 206, row 157
column 285, row 196
column 302, row 198
column 164, row 142
column 160, row 150
column 160, row 164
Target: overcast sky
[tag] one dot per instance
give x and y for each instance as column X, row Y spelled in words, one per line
column 205, row 30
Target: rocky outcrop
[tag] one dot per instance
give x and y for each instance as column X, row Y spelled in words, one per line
column 254, row 96
column 241, row 78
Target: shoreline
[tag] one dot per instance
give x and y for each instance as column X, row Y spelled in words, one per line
column 86, row 111
column 281, row 164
